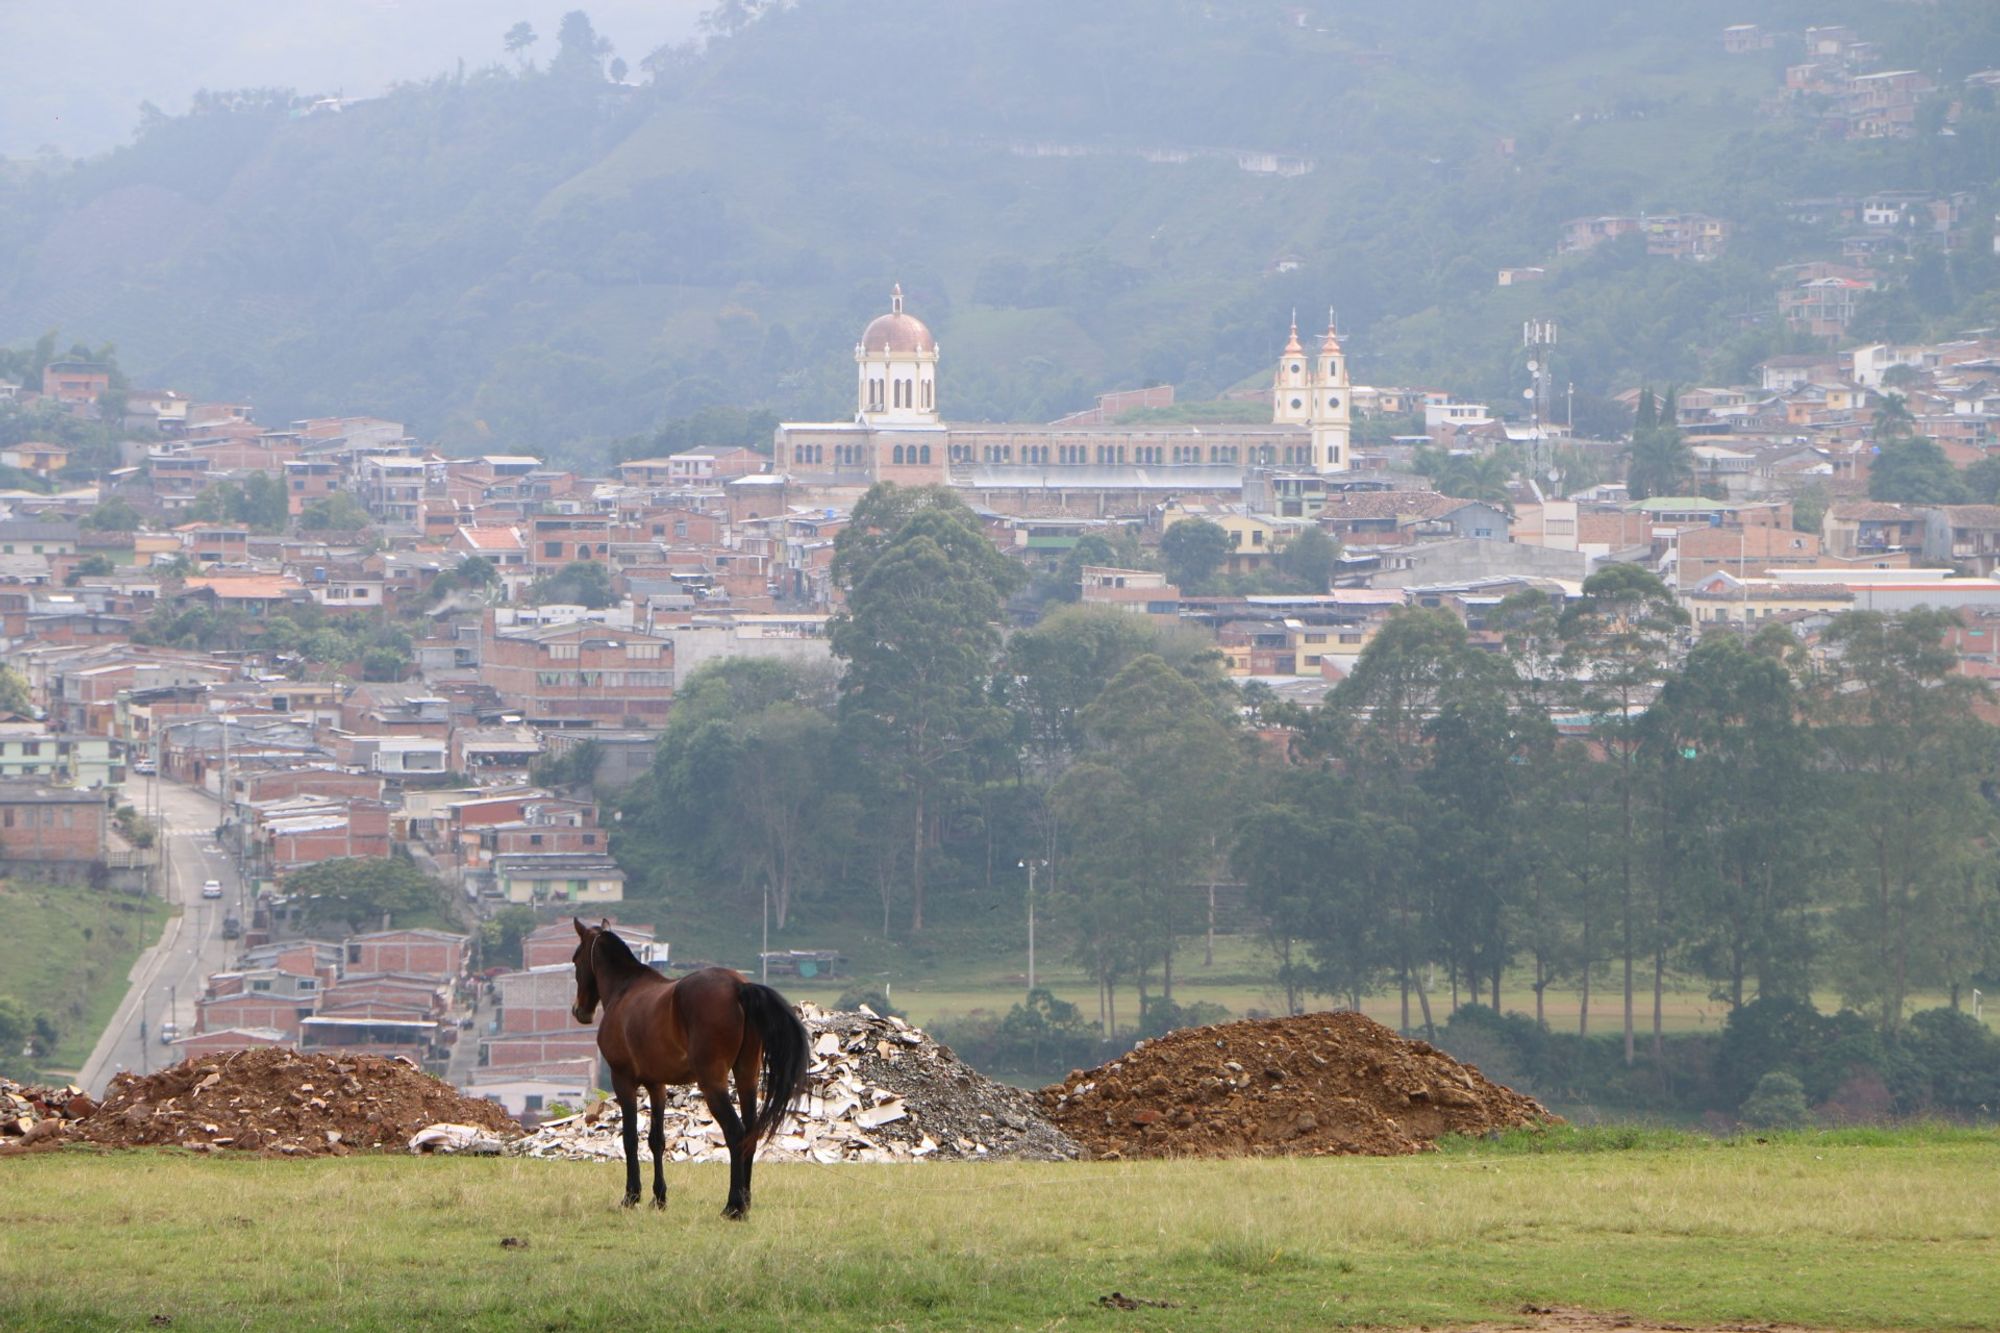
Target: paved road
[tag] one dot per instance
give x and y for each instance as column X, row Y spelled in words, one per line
column 168, row 978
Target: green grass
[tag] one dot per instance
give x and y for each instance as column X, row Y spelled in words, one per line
column 67, row 951
column 1803, row 1229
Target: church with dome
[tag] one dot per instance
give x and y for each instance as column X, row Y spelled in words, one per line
column 899, row 433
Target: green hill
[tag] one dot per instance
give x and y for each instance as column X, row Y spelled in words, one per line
column 542, row 258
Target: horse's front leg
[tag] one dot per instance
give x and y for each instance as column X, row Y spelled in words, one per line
column 627, row 1092
column 656, row 1139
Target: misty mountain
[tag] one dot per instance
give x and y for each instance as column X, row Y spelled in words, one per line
column 525, row 253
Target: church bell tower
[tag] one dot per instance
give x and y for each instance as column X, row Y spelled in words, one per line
column 1331, row 414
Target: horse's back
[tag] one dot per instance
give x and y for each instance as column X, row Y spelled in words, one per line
column 661, row 1032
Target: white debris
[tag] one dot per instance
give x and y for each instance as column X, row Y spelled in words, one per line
column 936, row 1108
column 445, row 1138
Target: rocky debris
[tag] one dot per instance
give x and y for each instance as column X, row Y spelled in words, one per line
column 879, row 1091
column 279, row 1101
column 31, row 1114
column 1314, row 1085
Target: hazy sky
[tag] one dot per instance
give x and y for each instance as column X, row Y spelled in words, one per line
column 73, row 72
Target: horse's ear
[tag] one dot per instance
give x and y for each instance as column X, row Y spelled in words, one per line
column 582, row 931
column 605, row 924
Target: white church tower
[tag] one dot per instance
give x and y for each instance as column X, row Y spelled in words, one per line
column 1291, row 396
column 897, row 364
column 1331, row 416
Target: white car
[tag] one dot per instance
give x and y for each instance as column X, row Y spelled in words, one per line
column 211, row 888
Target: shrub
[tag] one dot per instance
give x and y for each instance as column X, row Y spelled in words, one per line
column 1777, row 1102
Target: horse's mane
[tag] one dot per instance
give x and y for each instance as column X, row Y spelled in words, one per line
column 614, row 953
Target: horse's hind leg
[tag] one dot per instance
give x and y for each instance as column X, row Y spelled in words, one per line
column 715, row 1091
column 626, row 1089
column 749, row 1059
column 656, row 1139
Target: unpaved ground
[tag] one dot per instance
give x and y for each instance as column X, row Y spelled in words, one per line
column 1583, row 1321
column 278, row 1101
column 1313, row 1085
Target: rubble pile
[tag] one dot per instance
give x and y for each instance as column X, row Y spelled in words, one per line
column 879, row 1091
column 31, row 1114
column 1314, row 1085
column 279, row 1101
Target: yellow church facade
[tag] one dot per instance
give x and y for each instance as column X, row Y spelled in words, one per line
column 898, row 433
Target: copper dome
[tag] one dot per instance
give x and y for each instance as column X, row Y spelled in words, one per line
column 897, row 331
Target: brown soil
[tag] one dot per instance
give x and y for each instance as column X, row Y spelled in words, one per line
column 279, row 1101
column 1314, row 1085
column 1583, row 1321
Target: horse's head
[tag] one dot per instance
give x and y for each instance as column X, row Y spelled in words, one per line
column 585, row 962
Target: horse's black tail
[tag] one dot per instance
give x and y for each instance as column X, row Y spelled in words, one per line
column 787, row 1054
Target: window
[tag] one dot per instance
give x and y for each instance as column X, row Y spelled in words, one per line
column 31, row 747
column 552, row 549
column 926, row 452
column 896, row 454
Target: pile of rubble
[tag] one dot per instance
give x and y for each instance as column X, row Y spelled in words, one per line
column 879, row 1090
column 31, row 1114
column 1314, row 1085
column 280, row 1101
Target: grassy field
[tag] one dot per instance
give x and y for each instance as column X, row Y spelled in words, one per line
column 975, row 977
column 67, row 951
column 1868, row 1231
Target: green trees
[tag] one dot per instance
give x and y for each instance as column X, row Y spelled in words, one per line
column 362, row 893
column 112, row 516
column 1310, row 558
column 1894, row 715
column 585, row 583
column 338, row 512
column 919, row 638
column 1616, row 640
column 1913, row 470
column 1658, row 461
column 259, row 502
column 1141, row 817
column 1193, row 550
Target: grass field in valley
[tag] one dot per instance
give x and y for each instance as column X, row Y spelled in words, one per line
column 1865, row 1231
column 69, row 950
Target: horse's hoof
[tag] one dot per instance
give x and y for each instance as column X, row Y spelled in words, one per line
column 660, row 1203
column 736, row 1212
column 631, row 1201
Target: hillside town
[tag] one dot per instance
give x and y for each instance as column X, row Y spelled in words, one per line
column 393, row 651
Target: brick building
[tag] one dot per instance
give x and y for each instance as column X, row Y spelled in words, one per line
column 583, row 672
column 44, row 823
column 424, row 953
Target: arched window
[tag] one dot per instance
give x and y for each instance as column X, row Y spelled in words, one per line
column 924, row 454
column 897, row 454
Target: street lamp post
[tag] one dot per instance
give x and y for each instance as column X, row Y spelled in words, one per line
column 1031, row 867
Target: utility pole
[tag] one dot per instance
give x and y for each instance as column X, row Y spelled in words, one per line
column 764, row 952
column 1031, row 867
column 1538, row 337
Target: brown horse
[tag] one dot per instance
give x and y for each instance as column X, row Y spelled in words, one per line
column 699, row 1030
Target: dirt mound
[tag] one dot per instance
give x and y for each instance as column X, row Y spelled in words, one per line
column 1315, row 1085
column 879, row 1090
column 280, row 1101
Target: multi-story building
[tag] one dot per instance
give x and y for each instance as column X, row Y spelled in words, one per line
column 582, row 672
